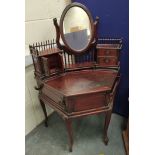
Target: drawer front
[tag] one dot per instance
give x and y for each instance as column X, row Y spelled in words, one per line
column 54, row 96
column 107, row 52
column 86, row 102
column 107, row 61
column 52, row 103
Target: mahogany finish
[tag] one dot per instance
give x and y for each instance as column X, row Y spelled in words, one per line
column 77, row 85
column 81, row 93
column 75, row 89
column 107, row 53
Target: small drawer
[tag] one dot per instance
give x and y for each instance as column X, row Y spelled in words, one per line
column 106, row 52
column 107, row 61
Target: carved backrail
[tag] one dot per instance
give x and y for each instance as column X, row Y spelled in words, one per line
column 70, row 61
column 43, row 48
column 78, row 61
column 39, row 50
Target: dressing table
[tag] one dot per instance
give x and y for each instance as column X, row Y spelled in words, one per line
column 78, row 75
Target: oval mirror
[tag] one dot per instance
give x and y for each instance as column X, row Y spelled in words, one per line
column 76, row 27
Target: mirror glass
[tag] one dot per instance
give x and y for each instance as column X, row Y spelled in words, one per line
column 77, row 28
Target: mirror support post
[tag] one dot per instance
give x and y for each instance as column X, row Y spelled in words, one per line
column 96, row 27
column 57, row 33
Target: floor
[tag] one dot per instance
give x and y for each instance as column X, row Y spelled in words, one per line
column 87, row 137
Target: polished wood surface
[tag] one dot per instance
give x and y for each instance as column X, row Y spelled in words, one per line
column 81, row 93
column 80, row 82
column 75, row 88
column 77, row 84
column 108, row 54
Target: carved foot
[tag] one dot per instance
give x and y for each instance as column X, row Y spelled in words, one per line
column 106, row 124
column 46, row 124
column 106, row 140
column 70, row 134
column 45, row 113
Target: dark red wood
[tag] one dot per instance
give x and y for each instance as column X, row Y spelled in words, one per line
column 81, row 82
column 106, row 125
column 45, row 113
column 107, row 61
column 77, row 88
column 108, row 52
column 81, row 93
column 70, row 133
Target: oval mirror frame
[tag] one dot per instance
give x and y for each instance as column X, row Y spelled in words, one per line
column 75, row 4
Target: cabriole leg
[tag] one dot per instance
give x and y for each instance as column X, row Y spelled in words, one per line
column 45, row 112
column 106, row 125
column 70, row 133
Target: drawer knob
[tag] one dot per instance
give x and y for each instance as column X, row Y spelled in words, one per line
column 106, row 60
column 107, row 52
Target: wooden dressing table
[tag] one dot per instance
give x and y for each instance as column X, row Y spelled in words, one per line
column 75, row 82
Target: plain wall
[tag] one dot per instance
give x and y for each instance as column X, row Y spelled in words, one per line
column 39, row 16
column 39, row 27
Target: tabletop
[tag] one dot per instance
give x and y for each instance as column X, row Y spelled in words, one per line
column 85, row 81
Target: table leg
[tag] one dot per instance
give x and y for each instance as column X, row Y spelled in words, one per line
column 45, row 112
column 106, row 125
column 70, row 133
